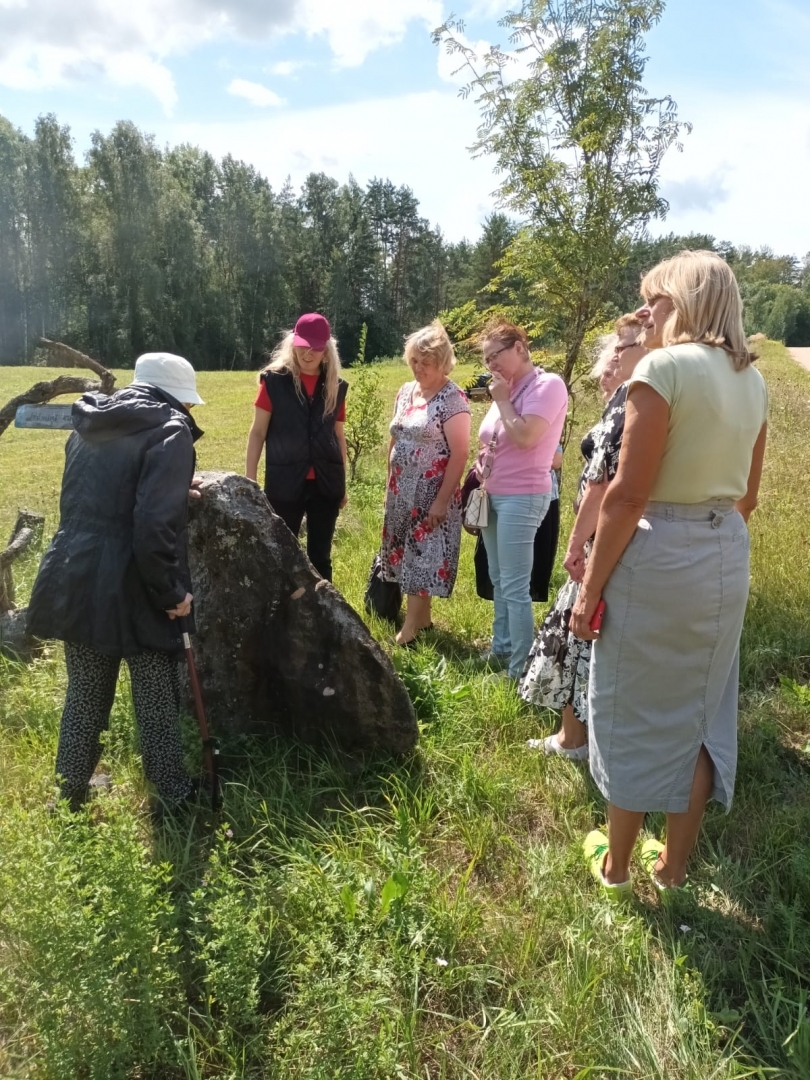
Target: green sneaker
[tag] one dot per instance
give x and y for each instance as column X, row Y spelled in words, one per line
column 595, row 847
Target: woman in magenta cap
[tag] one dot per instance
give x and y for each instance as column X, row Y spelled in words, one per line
column 298, row 421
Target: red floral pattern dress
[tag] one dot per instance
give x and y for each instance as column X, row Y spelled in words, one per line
column 423, row 560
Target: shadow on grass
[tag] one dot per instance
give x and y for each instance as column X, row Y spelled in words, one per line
column 745, row 926
column 301, row 784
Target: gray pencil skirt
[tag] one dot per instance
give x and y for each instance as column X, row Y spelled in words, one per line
column 665, row 670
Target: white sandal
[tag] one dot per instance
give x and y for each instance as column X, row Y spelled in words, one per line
column 550, row 746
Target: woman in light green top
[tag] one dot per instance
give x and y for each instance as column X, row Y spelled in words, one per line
column 670, row 560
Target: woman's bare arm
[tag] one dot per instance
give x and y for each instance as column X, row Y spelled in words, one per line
column 524, row 431
column 256, row 439
column 584, row 528
column 643, row 443
column 748, row 503
column 457, row 433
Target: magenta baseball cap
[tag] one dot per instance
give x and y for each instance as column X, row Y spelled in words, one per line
column 312, row 332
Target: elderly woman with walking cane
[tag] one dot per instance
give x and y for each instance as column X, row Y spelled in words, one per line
column 114, row 584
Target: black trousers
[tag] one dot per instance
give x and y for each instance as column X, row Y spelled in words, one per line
column 155, row 680
column 322, row 514
column 545, row 552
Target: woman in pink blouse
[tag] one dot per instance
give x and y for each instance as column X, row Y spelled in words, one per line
column 519, row 436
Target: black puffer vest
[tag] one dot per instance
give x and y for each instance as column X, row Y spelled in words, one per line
column 300, row 436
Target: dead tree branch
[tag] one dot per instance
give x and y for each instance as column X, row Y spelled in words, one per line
column 45, row 391
column 27, row 529
column 61, row 355
column 64, row 356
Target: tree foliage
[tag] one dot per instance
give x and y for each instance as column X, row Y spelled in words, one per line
column 141, row 248
column 578, row 143
column 364, row 420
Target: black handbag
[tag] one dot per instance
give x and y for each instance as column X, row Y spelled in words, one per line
column 382, row 597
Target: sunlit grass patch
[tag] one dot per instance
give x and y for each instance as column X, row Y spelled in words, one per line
column 426, row 918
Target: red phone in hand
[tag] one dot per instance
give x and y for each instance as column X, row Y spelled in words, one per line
column 596, row 620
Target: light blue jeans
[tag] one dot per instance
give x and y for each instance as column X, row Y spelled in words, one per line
column 509, row 540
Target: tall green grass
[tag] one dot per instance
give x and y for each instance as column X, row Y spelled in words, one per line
column 427, row 918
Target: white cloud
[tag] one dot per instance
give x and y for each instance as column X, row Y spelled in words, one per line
column 284, row 69
column 489, row 9
column 744, row 168
column 753, row 150
column 355, row 28
column 48, row 43
column 255, row 93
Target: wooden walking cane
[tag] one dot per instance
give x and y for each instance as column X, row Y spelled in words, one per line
column 210, row 748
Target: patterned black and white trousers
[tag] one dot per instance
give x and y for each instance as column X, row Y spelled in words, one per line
column 155, row 680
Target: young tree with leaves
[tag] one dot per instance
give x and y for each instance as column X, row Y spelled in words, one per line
column 578, row 143
column 364, row 420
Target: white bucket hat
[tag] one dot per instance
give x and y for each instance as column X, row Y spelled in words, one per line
column 170, row 373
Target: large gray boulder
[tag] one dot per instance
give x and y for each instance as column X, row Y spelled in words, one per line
column 277, row 647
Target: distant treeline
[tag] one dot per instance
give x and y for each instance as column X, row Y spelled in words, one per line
column 775, row 288
column 142, row 248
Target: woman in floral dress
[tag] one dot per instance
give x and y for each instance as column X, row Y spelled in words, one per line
column 556, row 674
column 430, row 439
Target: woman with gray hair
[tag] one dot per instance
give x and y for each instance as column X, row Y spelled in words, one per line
column 606, row 369
column 430, row 440
column 556, row 675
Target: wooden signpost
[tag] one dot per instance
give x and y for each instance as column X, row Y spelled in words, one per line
column 53, row 417
column 29, row 410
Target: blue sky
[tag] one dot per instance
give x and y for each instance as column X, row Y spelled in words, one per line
column 356, row 86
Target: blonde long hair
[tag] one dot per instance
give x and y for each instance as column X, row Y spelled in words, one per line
column 708, row 306
column 285, row 358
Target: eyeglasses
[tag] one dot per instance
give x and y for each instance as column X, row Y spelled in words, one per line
column 619, row 349
column 488, row 359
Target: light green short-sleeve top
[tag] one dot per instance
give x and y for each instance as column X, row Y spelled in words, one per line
column 715, row 417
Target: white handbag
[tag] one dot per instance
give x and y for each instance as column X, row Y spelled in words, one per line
column 476, row 516
column 476, row 512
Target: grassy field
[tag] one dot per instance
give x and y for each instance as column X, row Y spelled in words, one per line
column 421, row 919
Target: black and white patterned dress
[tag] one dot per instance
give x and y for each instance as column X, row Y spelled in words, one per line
column 423, row 560
column 558, row 666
